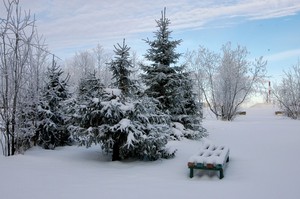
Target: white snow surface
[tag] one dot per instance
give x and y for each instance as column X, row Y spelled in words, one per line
column 264, row 163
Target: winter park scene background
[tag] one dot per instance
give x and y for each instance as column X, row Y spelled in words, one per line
column 111, row 99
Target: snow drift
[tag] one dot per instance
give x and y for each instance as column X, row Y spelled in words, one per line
column 264, row 158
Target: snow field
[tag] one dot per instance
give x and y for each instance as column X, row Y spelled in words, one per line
column 264, row 162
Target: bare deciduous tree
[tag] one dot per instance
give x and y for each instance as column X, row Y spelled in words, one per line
column 19, row 65
column 103, row 57
column 203, row 65
column 80, row 65
column 287, row 93
column 225, row 80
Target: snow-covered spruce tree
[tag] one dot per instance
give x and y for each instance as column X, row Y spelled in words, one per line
column 148, row 130
column 135, row 129
column 121, row 69
column 123, row 127
column 51, row 129
column 85, row 111
column 27, row 119
column 90, row 87
column 159, row 74
column 169, row 83
column 135, row 135
column 186, row 111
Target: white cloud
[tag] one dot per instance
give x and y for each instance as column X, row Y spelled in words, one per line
column 295, row 53
column 78, row 23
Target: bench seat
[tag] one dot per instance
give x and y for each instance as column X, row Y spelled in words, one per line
column 210, row 157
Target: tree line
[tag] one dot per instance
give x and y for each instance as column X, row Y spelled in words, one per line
column 129, row 107
column 127, row 120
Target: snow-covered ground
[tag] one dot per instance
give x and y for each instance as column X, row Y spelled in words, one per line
column 264, row 163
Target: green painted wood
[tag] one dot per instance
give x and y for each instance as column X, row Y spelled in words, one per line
column 218, row 167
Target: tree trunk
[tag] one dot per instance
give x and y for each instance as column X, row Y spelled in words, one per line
column 116, row 151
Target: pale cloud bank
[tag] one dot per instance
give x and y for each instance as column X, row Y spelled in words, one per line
column 294, row 53
column 76, row 24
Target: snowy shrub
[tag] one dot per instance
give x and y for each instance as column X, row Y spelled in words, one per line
column 226, row 80
column 287, row 93
column 187, row 126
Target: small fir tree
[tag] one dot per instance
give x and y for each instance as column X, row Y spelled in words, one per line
column 121, row 69
column 90, row 87
column 51, row 129
column 27, row 117
column 85, row 110
column 148, row 131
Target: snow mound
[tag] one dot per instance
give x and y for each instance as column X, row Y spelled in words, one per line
column 263, row 163
column 263, row 105
column 260, row 111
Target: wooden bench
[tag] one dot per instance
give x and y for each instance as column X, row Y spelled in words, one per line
column 210, row 157
column 241, row 113
column 279, row 112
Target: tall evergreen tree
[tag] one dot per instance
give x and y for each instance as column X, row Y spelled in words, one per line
column 121, row 68
column 158, row 76
column 51, row 129
column 162, row 49
column 168, row 83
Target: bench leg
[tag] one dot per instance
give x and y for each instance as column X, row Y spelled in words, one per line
column 221, row 174
column 191, row 172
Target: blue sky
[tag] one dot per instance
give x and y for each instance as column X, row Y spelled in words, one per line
column 276, row 39
column 269, row 28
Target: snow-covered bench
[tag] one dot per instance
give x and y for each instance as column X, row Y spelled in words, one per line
column 210, row 157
